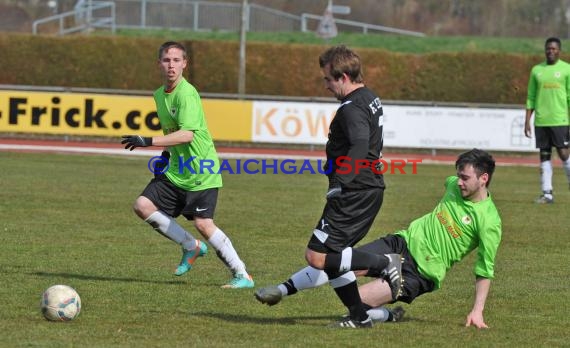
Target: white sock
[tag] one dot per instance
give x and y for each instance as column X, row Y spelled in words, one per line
column 380, row 314
column 226, row 252
column 168, row 227
column 343, row 279
column 308, row 278
column 546, row 176
column 283, row 289
column 566, row 165
column 305, row 278
column 346, row 260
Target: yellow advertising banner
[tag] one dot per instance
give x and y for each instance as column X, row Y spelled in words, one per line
column 229, row 119
column 110, row 115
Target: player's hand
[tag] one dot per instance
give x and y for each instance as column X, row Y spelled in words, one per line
column 334, row 192
column 133, row 141
column 527, row 132
column 476, row 319
column 334, row 188
column 161, row 166
column 327, row 167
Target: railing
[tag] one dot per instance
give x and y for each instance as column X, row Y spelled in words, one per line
column 200, row 16
column 95, row 14
column 305, row 17
column 195, row 16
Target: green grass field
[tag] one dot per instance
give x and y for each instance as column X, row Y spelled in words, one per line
column 67, row 219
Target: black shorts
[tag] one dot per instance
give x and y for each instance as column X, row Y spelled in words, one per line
column 346, row 220
column 175, row 201
column 414, row 283
column 548, row 137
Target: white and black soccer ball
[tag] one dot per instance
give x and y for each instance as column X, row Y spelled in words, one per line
column 60, row 303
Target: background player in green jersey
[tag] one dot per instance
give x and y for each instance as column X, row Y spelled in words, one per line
column 465, row 219
column 185, row 188
column 549, row 97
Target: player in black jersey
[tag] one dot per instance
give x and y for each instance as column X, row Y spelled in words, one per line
column 356, row 188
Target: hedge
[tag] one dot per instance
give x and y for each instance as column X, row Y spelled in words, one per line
column 271, row 69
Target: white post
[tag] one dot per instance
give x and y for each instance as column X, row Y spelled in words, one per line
column 242, row 44
column 196, row 17
column 143, row 14
column 89, row 15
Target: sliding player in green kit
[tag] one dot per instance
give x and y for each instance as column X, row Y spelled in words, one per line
column 465, row 219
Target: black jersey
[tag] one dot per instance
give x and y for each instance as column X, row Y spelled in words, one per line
column 356, row 138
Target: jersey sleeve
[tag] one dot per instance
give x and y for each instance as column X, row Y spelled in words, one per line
column 568, row 85
column 449, row 181
column 531, row 90
column 356, row 125
column 357, row 130
column 190, row 112
column 489, row 240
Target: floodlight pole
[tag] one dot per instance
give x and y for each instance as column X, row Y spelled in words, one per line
column 89, row 9
column 242, row 43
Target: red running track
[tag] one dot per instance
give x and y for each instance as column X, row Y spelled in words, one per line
column 60, row 146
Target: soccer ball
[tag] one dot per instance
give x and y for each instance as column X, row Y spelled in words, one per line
column 60, row 303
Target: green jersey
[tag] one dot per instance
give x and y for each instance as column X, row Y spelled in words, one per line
column 549, row 94
column 451, row 231
column 193, row 166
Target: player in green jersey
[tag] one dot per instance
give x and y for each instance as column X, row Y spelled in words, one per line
column 181, row 186
column 549, row 97
column 465, row 219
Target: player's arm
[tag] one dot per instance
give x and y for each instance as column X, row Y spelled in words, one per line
column 174, row 138
column 348, row 171
column 475, row 317
column 568, row 88
column 530, row 102
column 484, row 270
column 527, row 127
column 131, row 142
column 357, row 132
column 531, row 99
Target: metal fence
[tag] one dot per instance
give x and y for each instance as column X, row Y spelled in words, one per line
column 197, row 16
column 201, row 16
column 84, row 18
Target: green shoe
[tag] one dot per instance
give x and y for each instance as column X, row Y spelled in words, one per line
column 189, row 256
column 240, row 281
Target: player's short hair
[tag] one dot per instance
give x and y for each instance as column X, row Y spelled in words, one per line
column 342, row 60
column 171, row 44
column 481, row 161
column 555, row 40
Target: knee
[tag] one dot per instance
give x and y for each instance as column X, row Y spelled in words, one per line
column 204, row 226
column 143, row 207
column 316, row 260
column 545, row 155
